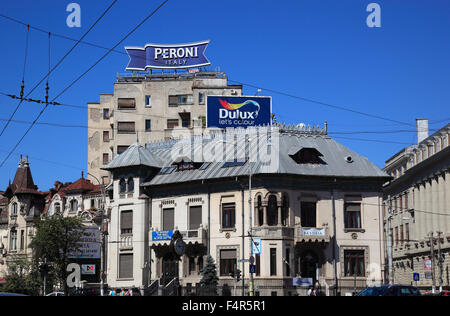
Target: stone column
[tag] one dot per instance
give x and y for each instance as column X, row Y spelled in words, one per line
column 265, row 207
column 421, row 219
column 279, row 214
column 446, row 187
column 435, row 204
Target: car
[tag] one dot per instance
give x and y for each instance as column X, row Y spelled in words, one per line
column 444, row 293
column 390, row 290
column 12, row 294
column 55, row 294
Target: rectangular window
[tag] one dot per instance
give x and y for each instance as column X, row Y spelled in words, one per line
column 354, row 263
column 22, row 239
column 172, row 123
column 106, row 114
column 148, row 101
column 191, row 265
column 173, row 100
column 106, row 136
column 105, row 159
column 308, row 214
column 195, row 217
column 13, row 240
column 228, row 262
column 126, row 127
column 228, row 215
column 273, row 261
column 407, row 232
column 185, row 99
column 201, row 98
column 402, row 236
column 148, row 125
column 258, row 264
column 126, row 266
column 352, row 215
column 396, row 235
column 287, row 262
column 121, row 149
column 126, row 103
column 168, row 218
column 126, row 222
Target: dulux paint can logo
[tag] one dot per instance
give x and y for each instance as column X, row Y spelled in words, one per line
column 223, row 112
column 162, row 56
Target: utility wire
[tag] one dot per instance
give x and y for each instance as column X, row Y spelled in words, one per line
column 164, row 130
column 57, row 35
column 82, row 75
column 60, row 61
column 321, row 103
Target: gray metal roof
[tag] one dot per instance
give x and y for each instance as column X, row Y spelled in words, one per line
column 164, row 154
column 135, row 155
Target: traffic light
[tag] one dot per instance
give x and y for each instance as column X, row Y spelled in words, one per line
column 44, row 269
column 238, row 275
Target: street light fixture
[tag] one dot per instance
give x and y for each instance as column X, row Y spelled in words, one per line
column 103, row 232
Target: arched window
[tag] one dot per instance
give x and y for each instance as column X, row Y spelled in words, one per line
column 272, row 211
column 57, row 208
column 284, row 211
column 130, row 185
column 260, row 211
column 14, row 209
column 122, row 186
column 74, row 206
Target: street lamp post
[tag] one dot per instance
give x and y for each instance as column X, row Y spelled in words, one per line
column 103, row 232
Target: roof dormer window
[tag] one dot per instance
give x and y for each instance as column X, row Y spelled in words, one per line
column 307, row 156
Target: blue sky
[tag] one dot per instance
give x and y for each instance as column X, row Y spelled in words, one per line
column 316, row 49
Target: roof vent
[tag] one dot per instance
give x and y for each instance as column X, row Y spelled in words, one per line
column 349, row 159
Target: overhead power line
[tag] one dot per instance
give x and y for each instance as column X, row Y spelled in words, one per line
column 56, row 66
column 322, row 103
column 82, row 75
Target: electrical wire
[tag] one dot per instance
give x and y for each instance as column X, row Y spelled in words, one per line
column 56, row 66
column 321, row 103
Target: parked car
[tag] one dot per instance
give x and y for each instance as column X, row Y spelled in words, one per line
column 390, row 290
column 444, row 293
column 12, row 294
column 56, row 294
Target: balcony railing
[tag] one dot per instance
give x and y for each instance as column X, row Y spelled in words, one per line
column 312, row 234
column 273, row 232
column 126, row 241
column 189, row 236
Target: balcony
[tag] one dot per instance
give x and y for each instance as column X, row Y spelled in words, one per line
column 193, row 236
column 273, row 232
column 312, row 234
column 126, row 242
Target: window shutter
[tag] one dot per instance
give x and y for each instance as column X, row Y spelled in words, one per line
column 126, row 127
column 126, row 103
column 168, row 219
column 195, row 217
column 126, row 266
column 126, row 220
column 228, row 254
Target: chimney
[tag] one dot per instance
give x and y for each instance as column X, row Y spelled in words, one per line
column 422, row 129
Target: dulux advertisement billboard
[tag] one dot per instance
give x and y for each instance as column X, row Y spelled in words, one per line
column 163, row 56
column 242, row 111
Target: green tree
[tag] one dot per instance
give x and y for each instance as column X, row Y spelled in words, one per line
column 23, row 277
column 209, row 279
column 56, row 238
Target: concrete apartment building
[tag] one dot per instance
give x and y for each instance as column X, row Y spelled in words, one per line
column 317, row 212
column 149, row 107
column 417, row 203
